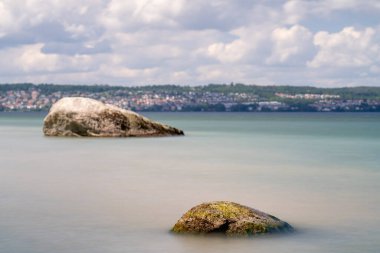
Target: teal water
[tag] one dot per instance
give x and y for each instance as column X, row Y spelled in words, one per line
column 319, row 172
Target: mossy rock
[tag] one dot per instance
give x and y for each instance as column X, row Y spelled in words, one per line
column 228, row 218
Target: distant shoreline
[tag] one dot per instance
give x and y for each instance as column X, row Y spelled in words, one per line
column 208, row 98
column 217, row 112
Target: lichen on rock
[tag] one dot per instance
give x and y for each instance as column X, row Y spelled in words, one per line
column 78, row 116
column 229, row 218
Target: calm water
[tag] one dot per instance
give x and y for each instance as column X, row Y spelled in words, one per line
column 319, row 172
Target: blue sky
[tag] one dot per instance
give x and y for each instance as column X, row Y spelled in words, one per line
column 324, row 43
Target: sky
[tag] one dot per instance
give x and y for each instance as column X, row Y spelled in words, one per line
column 325, row 43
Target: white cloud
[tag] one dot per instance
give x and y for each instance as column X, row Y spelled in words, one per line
column 120, row 15
column 288, row 43
column 250, row 46
column 347, row 48
column 294, row 11
column 298, row 10
column 231, row 52
column 30, row 59
column 6, row 20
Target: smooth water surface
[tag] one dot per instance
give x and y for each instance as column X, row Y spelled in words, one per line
column 319, row 172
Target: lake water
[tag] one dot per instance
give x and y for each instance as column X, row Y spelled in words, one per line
column 319, row 172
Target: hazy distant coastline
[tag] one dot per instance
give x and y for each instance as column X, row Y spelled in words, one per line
column 213, row 97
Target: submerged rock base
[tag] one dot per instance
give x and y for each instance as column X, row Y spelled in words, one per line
column 228, row 218
column 78, row 116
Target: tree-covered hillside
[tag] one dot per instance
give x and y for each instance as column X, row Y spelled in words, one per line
column 264, row 92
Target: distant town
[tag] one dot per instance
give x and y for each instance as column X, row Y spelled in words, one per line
column 213, row 97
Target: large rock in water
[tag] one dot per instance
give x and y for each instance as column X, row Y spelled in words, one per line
column 228, row 218
column 78, row 116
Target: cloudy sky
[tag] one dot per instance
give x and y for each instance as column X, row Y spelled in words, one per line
column 323, row 43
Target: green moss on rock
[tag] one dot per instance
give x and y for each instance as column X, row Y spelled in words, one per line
column 228, row 218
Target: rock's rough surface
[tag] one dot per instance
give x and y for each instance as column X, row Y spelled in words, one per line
column 228, row 218
column 78, row 116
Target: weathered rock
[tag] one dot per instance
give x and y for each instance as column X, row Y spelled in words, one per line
column 78, row 116
column 228, row 218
